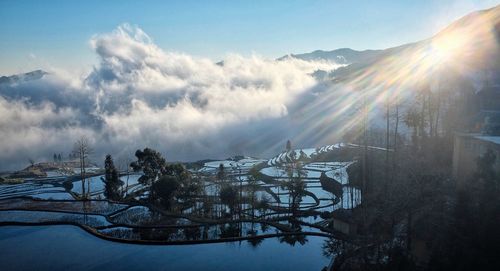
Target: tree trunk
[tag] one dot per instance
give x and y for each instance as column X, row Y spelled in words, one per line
column 409, row 233
column 387, row 136
column 421, row 127
column 430, row 111
column 438, row 106
column 82, row 176
column 395, row 149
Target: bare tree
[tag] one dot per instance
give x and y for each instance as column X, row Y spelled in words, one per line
column 82, row 150
column 124, row 166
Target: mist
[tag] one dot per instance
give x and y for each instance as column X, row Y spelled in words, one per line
column 139, row 95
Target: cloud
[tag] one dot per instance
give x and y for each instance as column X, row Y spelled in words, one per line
column 33, row 131
column 140, row 95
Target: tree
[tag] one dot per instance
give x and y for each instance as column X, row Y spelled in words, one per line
column 220, row 179
column 295, row 184
column 473, row 237
column 221, row 174
column 302, row 156
column 164, row 190
column 296, row 187
column 189, row 187
column 288, row 145
column 487, row 206
column 169, row 182
column 123, row 165
column 253, row 186
column 152, row 164
column 112, row 181
column 412, row 119
column 229, row 196
column 83, row 150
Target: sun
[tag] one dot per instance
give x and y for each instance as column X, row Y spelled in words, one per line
column 447, row 47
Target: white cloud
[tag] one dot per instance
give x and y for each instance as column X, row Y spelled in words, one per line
column 34, row 131
column 139, row 95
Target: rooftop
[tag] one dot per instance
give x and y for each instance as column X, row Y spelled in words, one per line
column 493, row 139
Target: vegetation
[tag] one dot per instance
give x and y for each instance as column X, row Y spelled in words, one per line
column 152, row 164
column 413, row 215
column 82, row 150
column 252, row 188
column 295, row 184
column 170, row 184
column 164, row 191
column 229, row 196
column 112, row 181
column 474, row 235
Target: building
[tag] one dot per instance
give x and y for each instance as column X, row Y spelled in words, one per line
column 342, row 221
column 483, row 133
column 489, row 97
column 467, row 148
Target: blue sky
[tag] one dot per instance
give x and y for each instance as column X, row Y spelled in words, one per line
column 40, row 34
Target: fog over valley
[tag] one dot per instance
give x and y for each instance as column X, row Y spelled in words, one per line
column 192, row 108
column 140, row 95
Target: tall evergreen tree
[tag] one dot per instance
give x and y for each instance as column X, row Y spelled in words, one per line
column 221, row 174
column 112, row 180
column 288, row 145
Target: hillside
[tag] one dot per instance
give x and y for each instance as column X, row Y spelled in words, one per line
column 18, row 78
column 340, row 56
column 469, row 47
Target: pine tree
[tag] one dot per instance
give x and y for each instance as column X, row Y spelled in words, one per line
column 111, row 180
column 221, row 175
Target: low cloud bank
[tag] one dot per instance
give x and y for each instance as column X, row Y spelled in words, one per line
column 140, row 95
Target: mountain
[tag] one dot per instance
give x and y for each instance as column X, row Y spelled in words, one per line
column 454, row 65
column 24, row 77
column 468, row 46
column 340, row 56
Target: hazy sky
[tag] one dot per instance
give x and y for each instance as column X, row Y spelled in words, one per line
column 56, row 34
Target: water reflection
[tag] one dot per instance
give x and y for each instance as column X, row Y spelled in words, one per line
column 288, row 204
column 67, row 247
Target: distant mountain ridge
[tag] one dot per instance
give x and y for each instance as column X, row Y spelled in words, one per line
column 483, row 26
column 24, row 77
column 339, row 56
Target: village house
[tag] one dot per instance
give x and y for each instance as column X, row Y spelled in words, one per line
column 467, row 148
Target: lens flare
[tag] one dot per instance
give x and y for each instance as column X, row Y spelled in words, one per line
column 399, row 74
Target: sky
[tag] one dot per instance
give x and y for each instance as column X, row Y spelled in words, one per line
column 129, row 75
column 57, row 34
